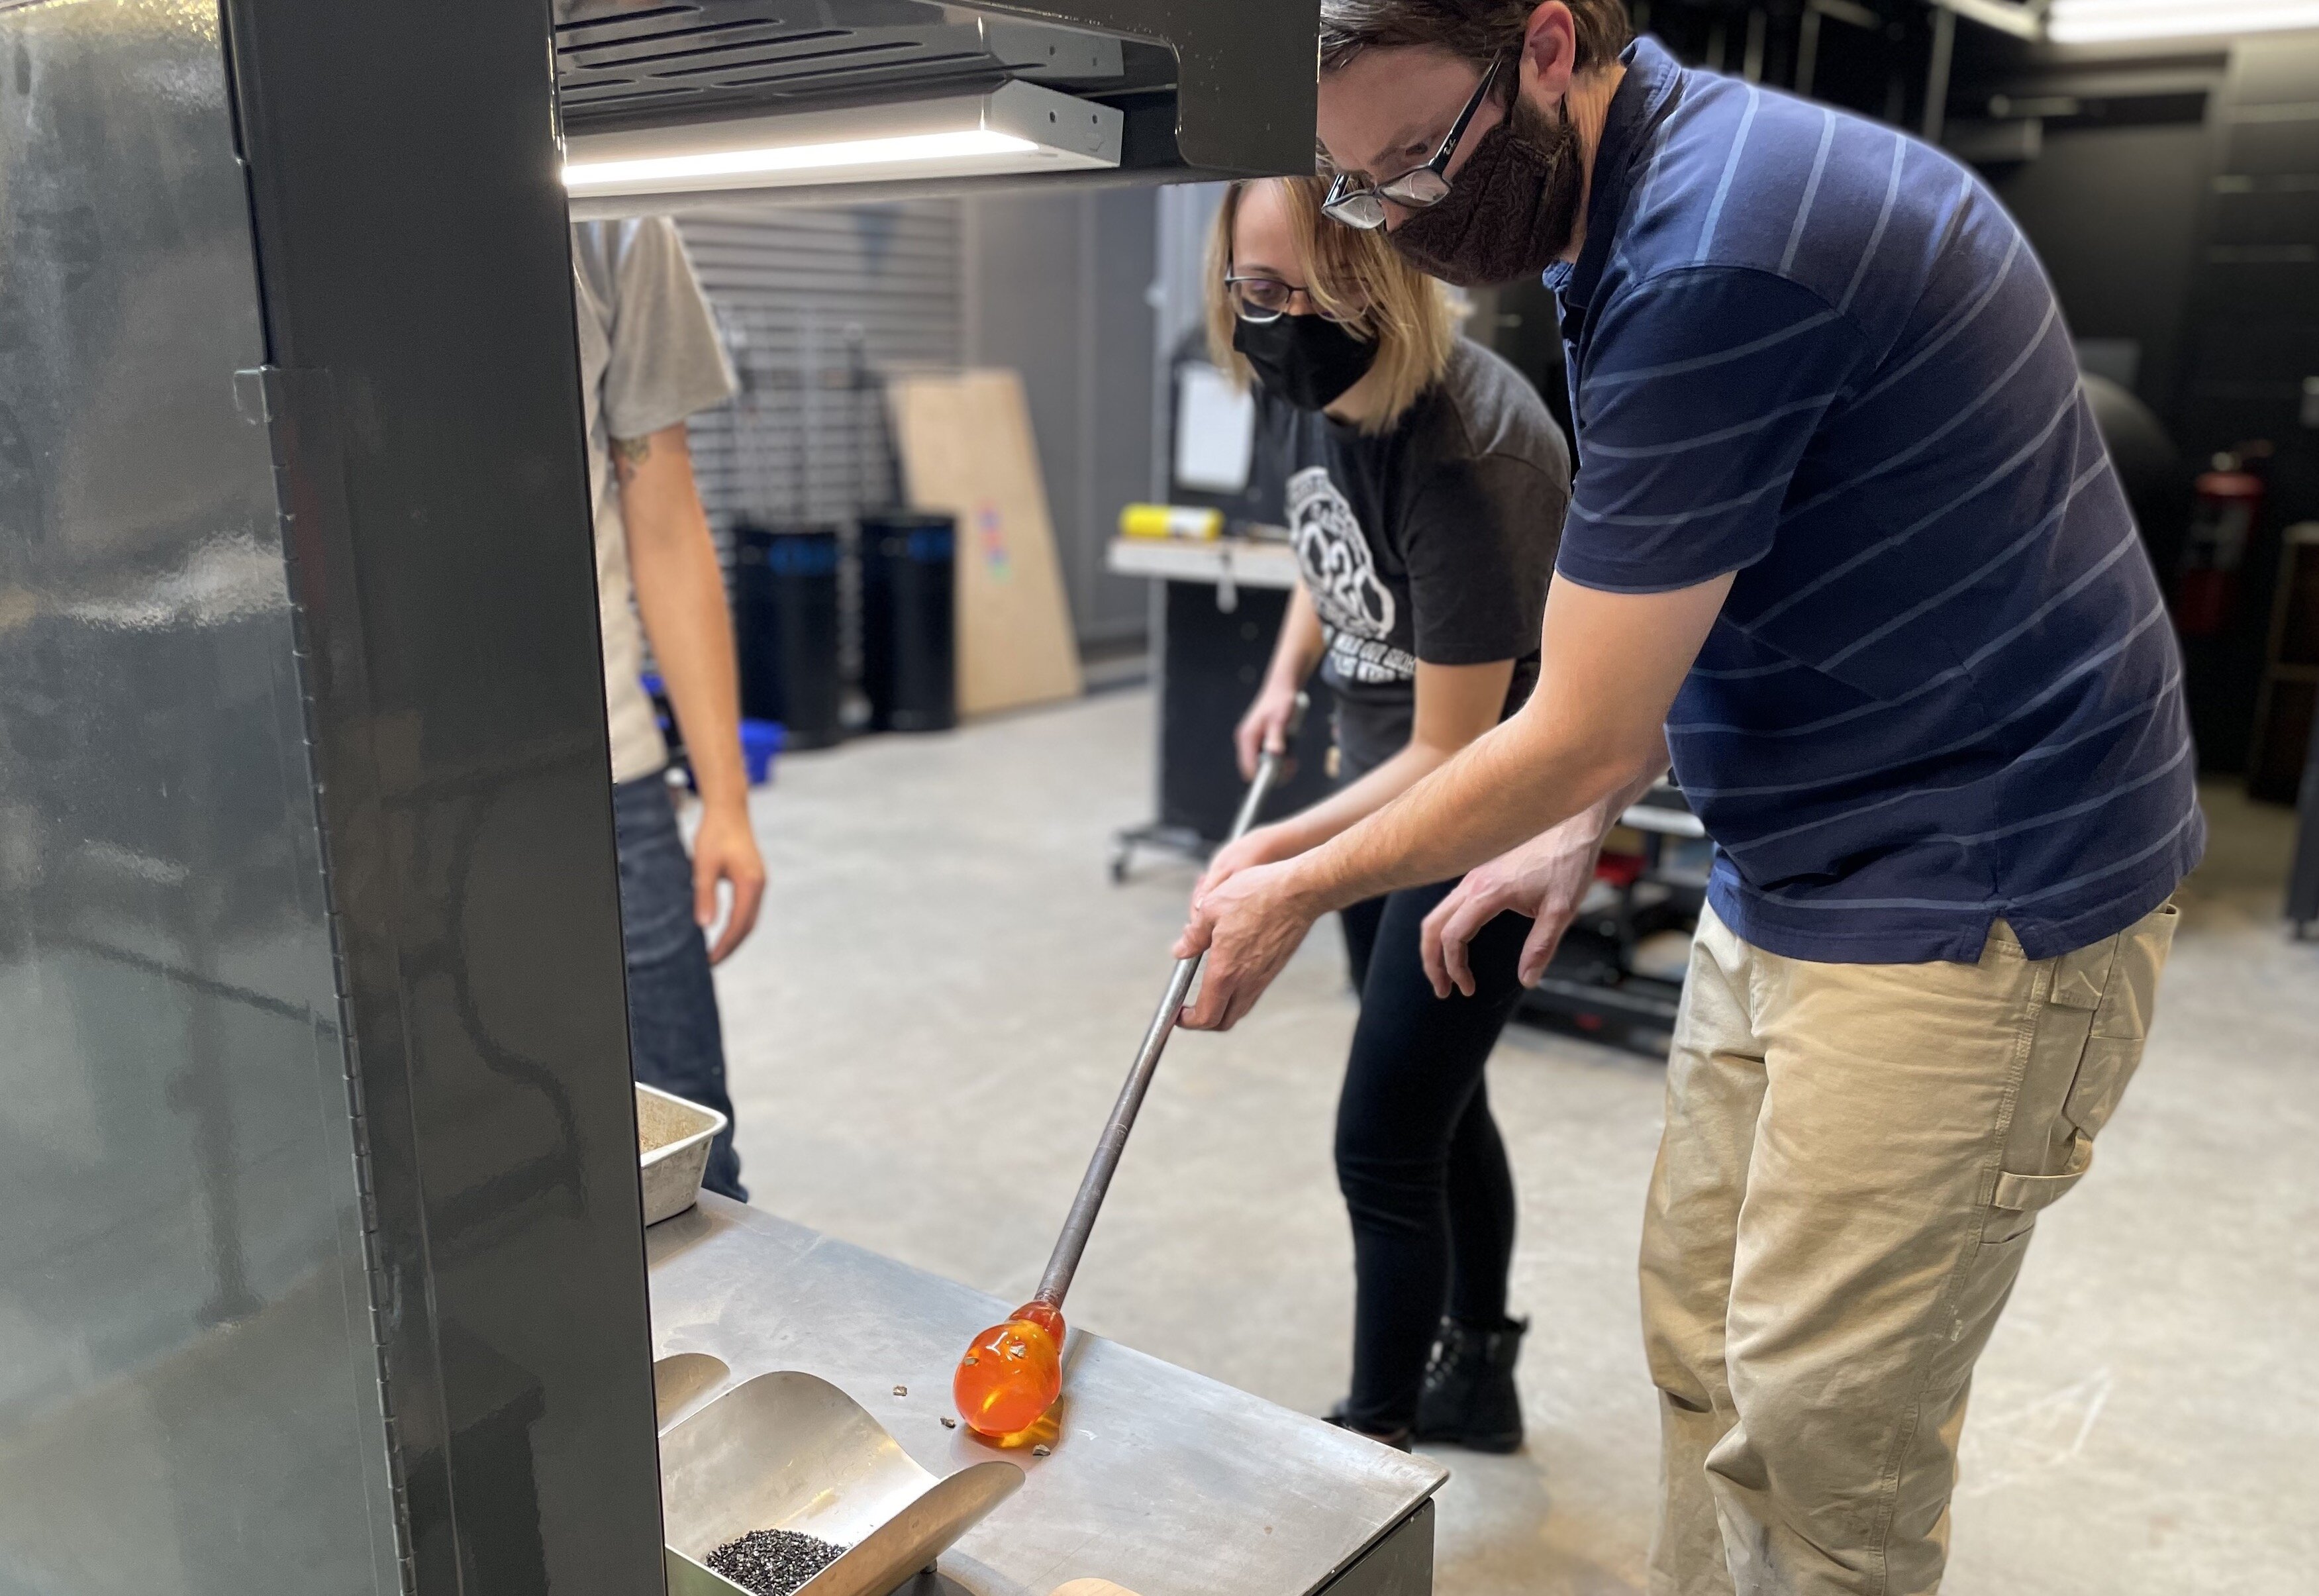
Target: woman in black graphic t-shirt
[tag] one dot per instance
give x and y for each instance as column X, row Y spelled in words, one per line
column 1426, row 483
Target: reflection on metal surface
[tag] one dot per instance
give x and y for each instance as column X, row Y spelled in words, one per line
column 679, row 1381
column 184, row 1312
column 1169, row 1484
column 788, row 1451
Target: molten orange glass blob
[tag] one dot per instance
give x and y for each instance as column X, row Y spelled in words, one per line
column 1012, row 1373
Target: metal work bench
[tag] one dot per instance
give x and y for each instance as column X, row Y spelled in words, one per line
column 1161, row 1480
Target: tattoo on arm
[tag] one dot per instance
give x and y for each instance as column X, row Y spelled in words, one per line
column 628, row 454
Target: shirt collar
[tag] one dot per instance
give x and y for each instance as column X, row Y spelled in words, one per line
column 1650, row 89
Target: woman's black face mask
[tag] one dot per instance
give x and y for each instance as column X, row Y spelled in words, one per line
column 1308, row 361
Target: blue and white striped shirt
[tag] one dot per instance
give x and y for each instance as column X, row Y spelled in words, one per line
column 1809, row 349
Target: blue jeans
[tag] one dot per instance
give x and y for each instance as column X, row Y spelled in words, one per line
column 673, row 1026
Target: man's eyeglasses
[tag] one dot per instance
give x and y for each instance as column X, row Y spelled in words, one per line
column 1362, row 205
column 1268, row 299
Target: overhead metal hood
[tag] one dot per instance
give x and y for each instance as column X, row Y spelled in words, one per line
column 1173, row 90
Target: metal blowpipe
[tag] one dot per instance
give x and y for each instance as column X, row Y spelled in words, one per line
column 1080, row 1221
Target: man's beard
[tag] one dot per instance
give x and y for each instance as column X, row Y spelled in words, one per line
column 1512, row 210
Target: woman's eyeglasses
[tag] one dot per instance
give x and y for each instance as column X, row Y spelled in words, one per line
column 1268, row 299
column 1362, row 204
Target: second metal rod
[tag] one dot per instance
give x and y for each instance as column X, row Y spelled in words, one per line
column 1079, row 1223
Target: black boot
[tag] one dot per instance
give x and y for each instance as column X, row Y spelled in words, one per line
column 1398, row 1440
column 1469, row 1398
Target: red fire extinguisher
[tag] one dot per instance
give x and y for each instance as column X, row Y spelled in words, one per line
column 2222, row 524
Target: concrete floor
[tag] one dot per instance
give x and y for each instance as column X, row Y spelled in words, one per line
column 934, row 1019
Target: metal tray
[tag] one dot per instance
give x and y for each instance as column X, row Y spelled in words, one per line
column 1164, row 1480
column 672, row 1138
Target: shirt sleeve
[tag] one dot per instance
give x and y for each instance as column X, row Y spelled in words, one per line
column 665, row 363
column 1701, row 390
column 1479, row 547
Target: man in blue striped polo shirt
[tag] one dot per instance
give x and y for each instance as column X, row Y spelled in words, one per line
column 1845, row 545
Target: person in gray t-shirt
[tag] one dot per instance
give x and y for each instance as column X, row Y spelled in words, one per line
column 649, row 358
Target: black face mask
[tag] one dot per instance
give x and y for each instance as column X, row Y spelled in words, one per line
column 1308, row 361
column 1512, row 209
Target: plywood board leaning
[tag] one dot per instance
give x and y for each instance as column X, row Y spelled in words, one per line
column 967, row 451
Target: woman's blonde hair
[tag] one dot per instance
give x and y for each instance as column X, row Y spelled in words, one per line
column 1353, row 275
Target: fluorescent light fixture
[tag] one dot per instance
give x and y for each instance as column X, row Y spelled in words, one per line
column 2103, row 22
column 696, row 171
column 1018, row 127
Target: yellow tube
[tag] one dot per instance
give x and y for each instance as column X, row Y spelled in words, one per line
column 1171, row 521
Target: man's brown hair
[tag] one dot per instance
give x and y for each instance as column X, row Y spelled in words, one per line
column 1478, row 30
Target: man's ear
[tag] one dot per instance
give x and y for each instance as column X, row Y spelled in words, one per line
column 1549, row 51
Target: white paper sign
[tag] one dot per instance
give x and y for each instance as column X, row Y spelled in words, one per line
column 1215, row 430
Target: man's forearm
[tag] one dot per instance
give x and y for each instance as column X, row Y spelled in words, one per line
column 1602, row 816
column 1349, row 806
column 1611, row 665
column 693, row 645
column 1522, row 779
column 1455, row 705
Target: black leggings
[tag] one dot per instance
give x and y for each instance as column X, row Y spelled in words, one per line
column 1418, row 1156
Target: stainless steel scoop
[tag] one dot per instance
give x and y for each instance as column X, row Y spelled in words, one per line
column 790, row 1451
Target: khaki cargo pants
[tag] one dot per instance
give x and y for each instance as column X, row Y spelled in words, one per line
column 1854, row 1158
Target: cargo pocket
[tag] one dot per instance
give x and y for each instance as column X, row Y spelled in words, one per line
column 2110, row 990
column 2025, row 1195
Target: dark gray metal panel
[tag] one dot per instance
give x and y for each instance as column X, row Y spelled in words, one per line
column 1399, row 1565
column 426, row 412
column 189, row 1393
column 1247, row 74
